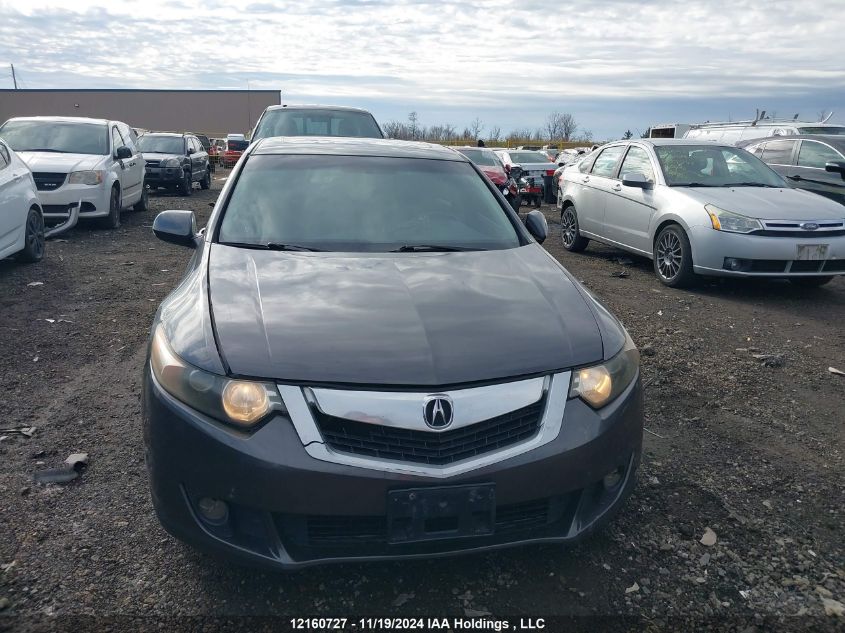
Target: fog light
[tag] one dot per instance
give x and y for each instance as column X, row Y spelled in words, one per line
column 213, row 511
column 734, row 263
column 612, row 479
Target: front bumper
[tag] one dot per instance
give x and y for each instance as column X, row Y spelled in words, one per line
column 164, row 176
column 288, row 509
column 763, row 256
column 58, row 203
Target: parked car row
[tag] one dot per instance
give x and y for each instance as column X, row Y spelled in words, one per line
column 704, row 208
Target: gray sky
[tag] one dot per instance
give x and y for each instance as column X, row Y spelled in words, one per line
column 613, row 64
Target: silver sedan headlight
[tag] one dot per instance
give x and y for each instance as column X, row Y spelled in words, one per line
column 239, row 402
column 730, row 222
column 601, row 384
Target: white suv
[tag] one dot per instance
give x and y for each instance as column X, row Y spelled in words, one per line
column 90, row 163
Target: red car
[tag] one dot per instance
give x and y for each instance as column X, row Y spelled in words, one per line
column 232, row 152
column 490, row 165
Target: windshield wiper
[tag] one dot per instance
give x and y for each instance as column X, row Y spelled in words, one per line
column 271, row 246
column 432, row 248
column 694, row 184
column 45, row 149
column 753, row 184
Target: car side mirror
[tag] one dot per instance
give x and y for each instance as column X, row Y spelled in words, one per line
column 536, row 224
column 123, row 153
column 177, row 227
column 836, row 167
column 190, row 151
column 637, row 180
column 508, row 168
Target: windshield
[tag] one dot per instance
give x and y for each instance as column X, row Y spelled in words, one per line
column 481, row 157
column 161, row 144
column 236, row 146
column 55, row 136
column 716, row 166
column 355, row 203
column 528, row 157
column 822, row 130
column 317, row 123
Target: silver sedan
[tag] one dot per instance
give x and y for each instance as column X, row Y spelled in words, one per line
column 700, row 208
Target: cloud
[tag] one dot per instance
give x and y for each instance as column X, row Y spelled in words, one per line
column 493, row 57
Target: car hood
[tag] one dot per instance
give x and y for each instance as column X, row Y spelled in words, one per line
column 160, row 156
column 59, row 163
column 426, row 319
column 768, row 204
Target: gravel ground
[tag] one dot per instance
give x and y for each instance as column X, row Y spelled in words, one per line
column 750, row 452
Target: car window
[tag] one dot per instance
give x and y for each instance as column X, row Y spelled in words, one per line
column 56, row 136
column 757, row 150
column 529, row 157
column 637, row 162
column 481, row 157
column 823, row 130
column 778, row 152
column 234, row 145
column 195, row 145
column 317, row 122
column 154, row 143
column 714, row 166
column 815, row 154
column 116, row 139
column 606, row 161
column 5, row 159
column 361, row 203
column 129, row 137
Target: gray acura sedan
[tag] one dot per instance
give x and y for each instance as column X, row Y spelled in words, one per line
column 371, row 357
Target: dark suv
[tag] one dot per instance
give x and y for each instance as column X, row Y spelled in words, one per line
column 175, row 161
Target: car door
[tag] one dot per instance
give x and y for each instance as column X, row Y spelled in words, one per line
column 809, row 172
column 197, row 158
column 136, row 167
column 11, row 213
column 628, row 212
column 595, row 190
column 779, row 155
column 128, row 187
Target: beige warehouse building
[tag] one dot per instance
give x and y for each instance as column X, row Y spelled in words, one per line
column 212, row 112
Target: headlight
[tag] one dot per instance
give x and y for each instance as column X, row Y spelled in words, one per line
column 731, row 222
column 85, row 177
column 240, row 402
column 601, row 384
column 170, row 162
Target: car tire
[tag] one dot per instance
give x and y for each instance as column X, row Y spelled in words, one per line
column 34, row 243
column 673, row 258
column 186, row 187
column 537, row 201
column 144, row 203
column 205, row 183
column 112, row 220
column 811, row 282
column 517, row 203
column 570, row 235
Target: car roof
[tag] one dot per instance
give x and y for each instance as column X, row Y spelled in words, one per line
column 62, row 119
column 837, row 139
column 342, row 146
column 316, row 107
column 168, row 134
column 658, row 142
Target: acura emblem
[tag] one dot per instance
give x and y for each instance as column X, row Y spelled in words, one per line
column 438, row 411
column 809, row 226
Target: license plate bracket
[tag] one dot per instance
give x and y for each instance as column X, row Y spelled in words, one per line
column 443, row 512
column 811, row 252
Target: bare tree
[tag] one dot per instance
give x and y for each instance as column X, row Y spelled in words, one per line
column 587, row 136
column 412, row 125
column 494, row 133
column 568, row 126
column 475, row 128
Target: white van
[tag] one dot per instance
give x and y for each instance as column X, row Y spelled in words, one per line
column 93, row 164
column 745, row 130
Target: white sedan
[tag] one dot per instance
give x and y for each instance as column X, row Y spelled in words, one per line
column 21, row 219
column 700, row 208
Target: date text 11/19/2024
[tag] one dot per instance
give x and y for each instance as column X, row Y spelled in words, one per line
column 417, row 624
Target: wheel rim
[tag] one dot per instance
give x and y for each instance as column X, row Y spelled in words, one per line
column 568, row 227
column 669, row 255
column 35, row 235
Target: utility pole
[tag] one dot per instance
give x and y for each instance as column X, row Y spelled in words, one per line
column 14, row 79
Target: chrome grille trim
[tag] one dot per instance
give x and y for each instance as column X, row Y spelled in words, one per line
column 556, row 389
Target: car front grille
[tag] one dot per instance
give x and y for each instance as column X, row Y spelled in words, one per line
column 153, row 163
column 48, row 181
column 430, row 447
column 795, row 228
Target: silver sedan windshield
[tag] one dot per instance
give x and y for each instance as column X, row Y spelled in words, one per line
column 717, row 166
